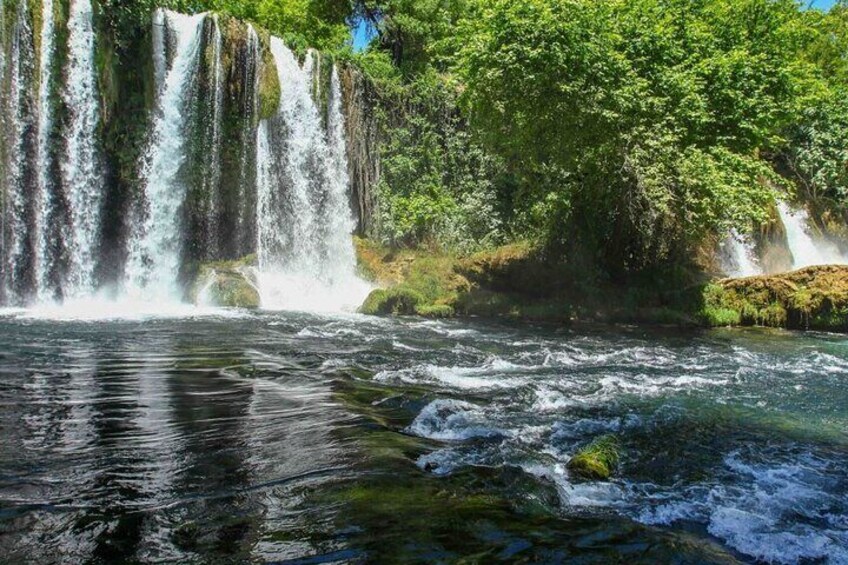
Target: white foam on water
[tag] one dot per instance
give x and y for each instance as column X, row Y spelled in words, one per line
column 453, row 420
column 489, row 375
column 95, row 308
column 777, row 512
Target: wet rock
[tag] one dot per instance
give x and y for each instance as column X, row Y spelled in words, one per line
column 230, row 284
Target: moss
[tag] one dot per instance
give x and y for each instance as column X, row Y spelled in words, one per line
column 398, row 301
column 597, row 460
column 436, row 311
column 269, row 80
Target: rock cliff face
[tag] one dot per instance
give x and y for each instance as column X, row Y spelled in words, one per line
column 363, row 134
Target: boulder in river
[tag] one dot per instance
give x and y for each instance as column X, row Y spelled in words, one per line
column 229, row 284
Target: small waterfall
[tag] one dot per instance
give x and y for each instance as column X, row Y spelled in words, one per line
column 306, row 256
column 737, row 256
column 155, row 246
column 81, row 166
column 806, row 251
column 160, row 49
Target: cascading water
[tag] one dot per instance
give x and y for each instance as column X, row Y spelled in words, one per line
column 155, row 246
column 306, row 256
column 21, row 177
column 81, row 165
column 44, row 196
column 806, row 251
column 216, row 182
column 737, row 256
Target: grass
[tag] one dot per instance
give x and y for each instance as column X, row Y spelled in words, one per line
column 597, row 460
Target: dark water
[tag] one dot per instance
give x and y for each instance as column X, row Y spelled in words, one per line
column 304, row 439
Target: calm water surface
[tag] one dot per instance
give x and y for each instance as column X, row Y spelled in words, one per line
column 294, row 438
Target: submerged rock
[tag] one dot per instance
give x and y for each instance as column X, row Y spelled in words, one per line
column 814, row 298
column 597, row 460
column 230, row 284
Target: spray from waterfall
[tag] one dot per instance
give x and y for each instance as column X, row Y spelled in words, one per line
column 806, row 249
column 155, row 245
column 81, row 166
column 304, row 221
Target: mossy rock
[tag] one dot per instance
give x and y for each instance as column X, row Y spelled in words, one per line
column 598, row 460
column 397, row 301
column 815, row 298
column 269, row 80
column 229, row 284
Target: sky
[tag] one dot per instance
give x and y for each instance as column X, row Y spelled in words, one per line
column 823, row 4
column 362, row 34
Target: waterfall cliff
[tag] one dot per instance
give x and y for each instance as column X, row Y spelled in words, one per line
column 129, row 162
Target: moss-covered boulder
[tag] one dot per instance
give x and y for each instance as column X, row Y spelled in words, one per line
column 397, row 301
column 598, row 460
column 815, row 298
column 230, row 284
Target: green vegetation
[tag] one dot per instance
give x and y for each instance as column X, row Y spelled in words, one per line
column 621, row 138
column 597, row 460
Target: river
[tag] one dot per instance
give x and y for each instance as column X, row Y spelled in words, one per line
column 231, row 436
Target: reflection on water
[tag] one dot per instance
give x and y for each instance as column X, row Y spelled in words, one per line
column 277, row 437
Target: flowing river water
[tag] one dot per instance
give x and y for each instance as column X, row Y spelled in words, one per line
column 228, row 436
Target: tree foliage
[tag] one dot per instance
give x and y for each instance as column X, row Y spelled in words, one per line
column 654, row 113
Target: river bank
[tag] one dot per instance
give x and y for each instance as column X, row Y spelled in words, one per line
column 517, row 282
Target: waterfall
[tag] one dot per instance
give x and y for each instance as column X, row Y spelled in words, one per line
column 738, row 258
column 81, row 165
column 21, row 177
column 155, row 244
column 806, row 251
column 304, row 221
column 44, row 196
column 214, row 181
